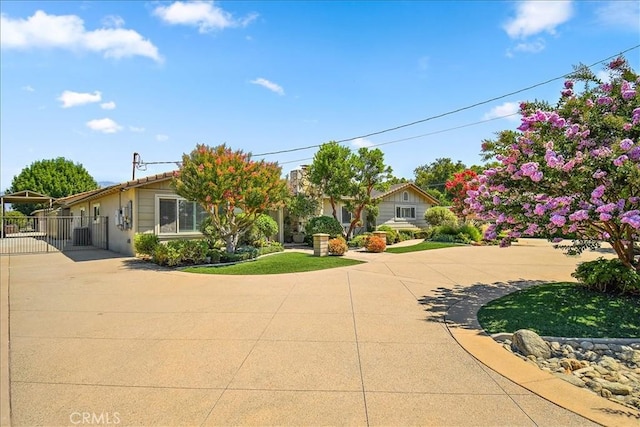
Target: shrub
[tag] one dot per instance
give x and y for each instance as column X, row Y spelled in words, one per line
column 337, row 246
column 359, row 241
column 447, row 238
column 167, row 254
column 392, row 235
column 214, row 255
column 608, row 275
column 324, row 224
column 266, row 226
column 194, row 251
column 376, row 244
column 438, row 215
column 471, row 231
column 145, row 244
column 210, row 233
column 242, row 253
column 270, row 248
column 425, row 233
column 407, row 234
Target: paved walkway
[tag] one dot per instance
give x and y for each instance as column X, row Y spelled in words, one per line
column 115, row 340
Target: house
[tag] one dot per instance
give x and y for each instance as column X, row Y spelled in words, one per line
column 144, row 205
column 402, row 206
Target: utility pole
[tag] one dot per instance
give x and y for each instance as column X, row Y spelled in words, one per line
column 136, row 162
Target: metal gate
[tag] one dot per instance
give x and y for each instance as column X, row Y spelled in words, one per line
column 22, row 235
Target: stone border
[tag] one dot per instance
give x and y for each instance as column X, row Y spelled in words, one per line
column 462, row 322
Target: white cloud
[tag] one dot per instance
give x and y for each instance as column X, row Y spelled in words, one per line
column 68, row 32
column 112, row 21
column 108, row 105
column 534, row 17
column 619, row 14
column 162, row 138
column 28, row 88
column 509, row 109
column 273, row 87
column 136, row 129
column 202, row 14
column 73, row 99
column 104, row 125
column 361, row 142
column 604, row 76
column 530, row 47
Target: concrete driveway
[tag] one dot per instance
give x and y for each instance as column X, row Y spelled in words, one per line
column 115, row 341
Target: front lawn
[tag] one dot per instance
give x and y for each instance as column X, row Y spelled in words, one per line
column 423, row 246
column 287, row 262
column 564, row 310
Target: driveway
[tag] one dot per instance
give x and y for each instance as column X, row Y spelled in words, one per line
column 115, row 341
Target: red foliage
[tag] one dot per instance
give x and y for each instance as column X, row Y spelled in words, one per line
column 376, row 244
column 458, row 187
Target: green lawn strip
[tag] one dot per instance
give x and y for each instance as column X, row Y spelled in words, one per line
column 288, row 262
column 564, row 310
column 423, row 246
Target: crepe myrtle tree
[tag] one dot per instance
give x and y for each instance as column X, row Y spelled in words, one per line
column 231, row 187
column 572, row 170
column 457, row 187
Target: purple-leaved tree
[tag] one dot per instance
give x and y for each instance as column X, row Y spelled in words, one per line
column 572, row 170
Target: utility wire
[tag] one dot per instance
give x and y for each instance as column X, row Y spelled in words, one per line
column 448, row 113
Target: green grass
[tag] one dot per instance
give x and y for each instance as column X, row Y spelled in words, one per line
column 564, row 310
column 423, row 246
column 287, row 262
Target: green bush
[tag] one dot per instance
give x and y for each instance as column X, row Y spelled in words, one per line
column 145, row 244
column 167, row 254
column 438, row 215
column 210, row 233
column 407, row 234
column 194, row 251
column 471, row 231
column 425, row 233
column 324, row 224
column 392, row 235
column 608, row 275
column 359, row 241
column 242, row 253
column 270, row 248
column 447, row 238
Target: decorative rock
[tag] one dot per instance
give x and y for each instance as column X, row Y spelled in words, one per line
column 572, row 379
column 582, row 371
column 555, row 345
column 601, row 370
column 573, row 364
column 529, row 343
column 594, row 385
column 591, row 356
column 600, row 347
column 609, row 363
column 616, row 388
column 586, row 345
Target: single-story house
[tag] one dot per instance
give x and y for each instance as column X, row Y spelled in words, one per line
column 402, row 206
column 144, row 205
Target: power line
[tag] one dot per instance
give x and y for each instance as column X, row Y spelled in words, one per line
column 291, row 150
column 448, row 113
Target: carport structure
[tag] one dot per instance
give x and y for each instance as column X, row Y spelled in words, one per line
column 48, row 231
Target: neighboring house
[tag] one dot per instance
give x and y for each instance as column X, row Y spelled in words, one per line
column 144, row 205
column 403, row 206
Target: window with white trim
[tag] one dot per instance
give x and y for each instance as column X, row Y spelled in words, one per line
column 345, row 215
column 405, row 212
column 96, row 212
column 176, row 215
column 405, row 196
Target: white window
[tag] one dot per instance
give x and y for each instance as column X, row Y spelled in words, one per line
column 345, row 215
column 405, row 196
column 175, row 215
column 405, row 212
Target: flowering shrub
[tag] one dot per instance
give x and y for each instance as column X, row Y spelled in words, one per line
column 570, row 170
column 458, row 187
column 376, row 244
column 337, row 246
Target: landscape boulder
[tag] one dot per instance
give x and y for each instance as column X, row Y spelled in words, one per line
column 527, row 343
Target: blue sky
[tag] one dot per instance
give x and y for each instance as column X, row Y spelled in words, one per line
column 96, row 81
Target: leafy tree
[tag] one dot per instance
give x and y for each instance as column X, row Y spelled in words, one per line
column 437, row 173
column 440, row 197
column 457, row 187
column 56, row 178
column 395, row 180
column 369, row 173
column 231, row 187
column 571, row 170
column 331, row 172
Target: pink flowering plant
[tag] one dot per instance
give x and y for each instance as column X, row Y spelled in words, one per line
column 572, row 170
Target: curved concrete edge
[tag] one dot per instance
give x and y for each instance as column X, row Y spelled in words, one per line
column 462, row 322
column 580, row 401
column 5, row 400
